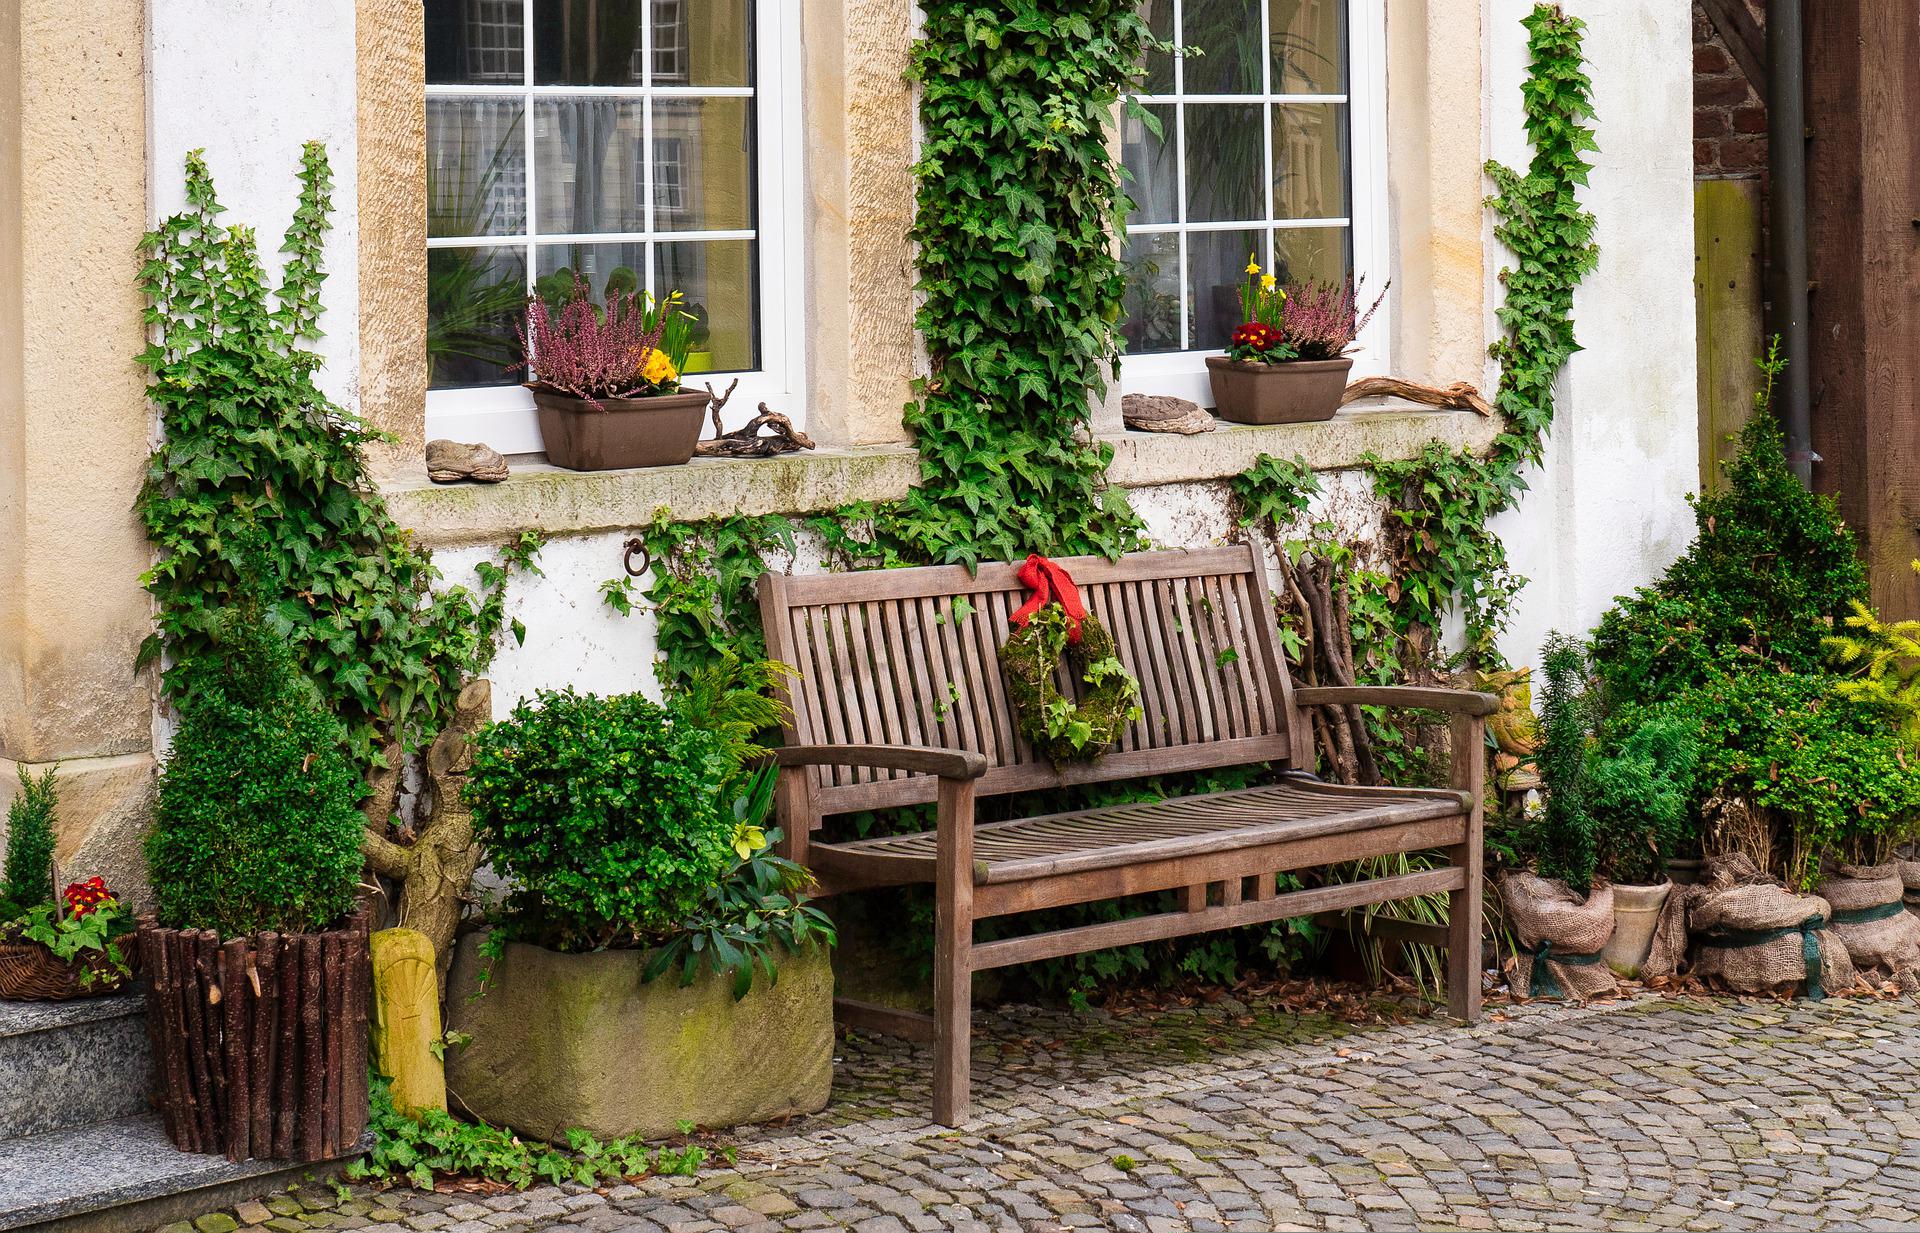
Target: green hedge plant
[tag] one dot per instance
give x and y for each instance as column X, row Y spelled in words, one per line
column 1772, row 572
column 255, row 826
column 28, row 880
column 1636, row 794
column 606, row 815
column 1566, row 834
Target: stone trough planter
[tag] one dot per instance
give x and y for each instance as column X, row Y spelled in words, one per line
column 565, row 1042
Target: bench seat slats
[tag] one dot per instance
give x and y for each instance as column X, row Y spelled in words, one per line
column 1104, row 838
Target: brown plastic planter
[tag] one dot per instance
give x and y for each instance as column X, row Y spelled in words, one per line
column 621, row 432
column 1298, row 392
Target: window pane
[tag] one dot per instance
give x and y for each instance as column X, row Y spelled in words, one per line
column 1310, row 160
column 1227, row 32
column 1217, row 263
column 705, row 44
column 1309, row 39
column 475, row 42
column 591, row 152
column 559, row 268
column 1226, row 162
column 1156, row 185
column 703, row 164
column 1152, row 303
column 476, row 167
column 717, row 280
column 588, row 43
column 1159, row 67
column 1312, row 254
column 474, row 300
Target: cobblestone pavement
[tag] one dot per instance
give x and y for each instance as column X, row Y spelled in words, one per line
column 1653, row 1114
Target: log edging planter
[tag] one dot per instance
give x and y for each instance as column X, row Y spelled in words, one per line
column 260, row 1042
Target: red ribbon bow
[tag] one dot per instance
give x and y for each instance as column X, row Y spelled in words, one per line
column 1050, row 584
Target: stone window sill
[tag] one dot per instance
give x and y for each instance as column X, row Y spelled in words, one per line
column 562, row 502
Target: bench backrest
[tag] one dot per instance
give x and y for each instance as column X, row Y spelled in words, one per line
column 886, row 657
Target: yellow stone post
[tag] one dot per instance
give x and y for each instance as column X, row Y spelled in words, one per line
column 406, row 1019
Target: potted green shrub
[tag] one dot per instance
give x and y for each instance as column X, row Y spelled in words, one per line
column 257, row 960
column 1562, row 912
column 653, row 963
column 1636, row 794
column 606, row 379
column 54, row 948
column 1288, row 360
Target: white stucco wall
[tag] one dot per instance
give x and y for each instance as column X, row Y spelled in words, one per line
column 250, row 81
column 1608, row 510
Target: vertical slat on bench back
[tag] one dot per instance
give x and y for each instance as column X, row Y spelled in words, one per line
column 911, row 657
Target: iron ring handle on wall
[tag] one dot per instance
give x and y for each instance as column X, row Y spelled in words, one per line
column 636, row 544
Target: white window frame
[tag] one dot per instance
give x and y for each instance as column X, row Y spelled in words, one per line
column 503, row 416
column 1183, row 374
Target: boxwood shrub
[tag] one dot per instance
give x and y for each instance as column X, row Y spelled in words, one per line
column 257, row 824
column 605, row 816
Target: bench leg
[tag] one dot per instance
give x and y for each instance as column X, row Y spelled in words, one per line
column 953, row 955
column 1463, row 905
column 952, row 1011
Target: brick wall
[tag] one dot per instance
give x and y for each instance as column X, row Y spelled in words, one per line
column 1729, row 117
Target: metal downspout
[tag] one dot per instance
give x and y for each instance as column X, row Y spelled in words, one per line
column 1787, row 228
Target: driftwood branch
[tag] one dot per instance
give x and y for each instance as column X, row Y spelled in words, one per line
column 1459, row 396
column 716, row 402
column 746, row 442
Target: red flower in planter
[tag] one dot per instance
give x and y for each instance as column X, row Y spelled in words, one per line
column 83, row 897
column 1256, row 335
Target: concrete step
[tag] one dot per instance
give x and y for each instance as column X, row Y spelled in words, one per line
column 65, row 1064
column 122, row 1176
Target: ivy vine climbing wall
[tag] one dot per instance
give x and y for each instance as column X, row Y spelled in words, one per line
column 1440, row 503
column 259, row 488
column 1018, row 201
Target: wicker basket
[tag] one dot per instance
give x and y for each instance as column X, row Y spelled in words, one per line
column 30, row 973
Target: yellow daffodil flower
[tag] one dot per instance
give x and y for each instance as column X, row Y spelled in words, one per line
column 1253, row 265
column 1267, row 282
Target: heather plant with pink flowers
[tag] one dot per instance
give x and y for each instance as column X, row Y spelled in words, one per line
column 633, row 347
column 1323, row 319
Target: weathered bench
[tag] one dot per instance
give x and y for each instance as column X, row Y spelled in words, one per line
column 901, row 700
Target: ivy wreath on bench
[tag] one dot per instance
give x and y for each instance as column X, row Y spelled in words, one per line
column 1051, row 626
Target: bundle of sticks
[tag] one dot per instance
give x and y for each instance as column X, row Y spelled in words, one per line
column 1326, row 658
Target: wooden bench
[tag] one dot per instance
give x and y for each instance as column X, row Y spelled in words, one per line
column 901, row 700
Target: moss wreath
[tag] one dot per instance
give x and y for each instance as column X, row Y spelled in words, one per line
column 1053, row 625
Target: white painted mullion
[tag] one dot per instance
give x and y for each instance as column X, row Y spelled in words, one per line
column 646, row 145
column 527, row 124
column 1267, row 114
column 1180, row 163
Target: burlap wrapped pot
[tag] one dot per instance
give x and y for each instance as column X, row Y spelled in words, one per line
column 1870, row 915
column 1560, row 937
column 1910, row 880
column 1754, row 936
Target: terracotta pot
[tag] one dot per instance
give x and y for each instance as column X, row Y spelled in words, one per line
column 1299, row 392
column 621, row 432
column 1636, row 914
column 260, row 1042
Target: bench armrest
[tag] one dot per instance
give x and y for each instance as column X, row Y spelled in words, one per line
column 920, row 759
column 1413, row 697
